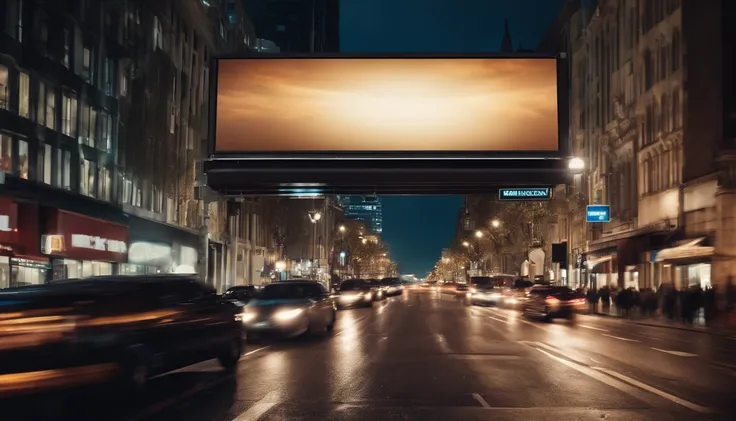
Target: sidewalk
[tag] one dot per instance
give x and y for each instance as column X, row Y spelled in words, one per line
column 660, row 321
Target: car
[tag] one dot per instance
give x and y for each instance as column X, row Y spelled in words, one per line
column 291, row 308
column 552, row 302
column 119, row 330
column 242, row 293
column 356, row 293
column 380, row 289
column 483, row 292
column 393, row 286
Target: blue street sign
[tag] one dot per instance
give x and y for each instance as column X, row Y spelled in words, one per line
column 528, row 193
column 598, row 213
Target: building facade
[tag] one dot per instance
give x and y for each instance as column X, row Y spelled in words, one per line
column 103, row 113
column 366, row 209
column 649, row 115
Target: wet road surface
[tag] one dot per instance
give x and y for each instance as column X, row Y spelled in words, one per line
column 428, row 356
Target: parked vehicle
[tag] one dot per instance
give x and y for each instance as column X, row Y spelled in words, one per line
column 112, row 328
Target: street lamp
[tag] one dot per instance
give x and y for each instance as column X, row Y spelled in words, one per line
column 479, row 234
column 495, row 223
column 466, row 244
column 341, row 228
column 576, row 164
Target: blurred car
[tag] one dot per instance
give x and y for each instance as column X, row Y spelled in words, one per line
column 482, row 291
column 291, row 308
column 514, row 296
column 552, row 302
column 356, row 293
column 380, row 289
column 242, row 293
column 393, row 286
column 112, row 329
column 461, row 290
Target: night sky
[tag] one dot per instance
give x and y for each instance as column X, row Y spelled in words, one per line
column 417, row 228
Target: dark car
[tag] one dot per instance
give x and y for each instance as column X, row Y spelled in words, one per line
column 356, row 292
column 551, row 302
column 393, row 286
column 112, row 328
column 291, row 308
column 242, row 293
column 380, row 289
column 483, row 291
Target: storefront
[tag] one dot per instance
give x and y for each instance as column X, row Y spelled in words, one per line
column 685, row 265
column 81, row 246
column 159, row 248
column 21, row 262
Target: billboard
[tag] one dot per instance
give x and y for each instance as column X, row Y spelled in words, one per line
column 274, row 104
column 525, row 193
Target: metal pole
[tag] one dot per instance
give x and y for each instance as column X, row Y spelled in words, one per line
column 313, row 27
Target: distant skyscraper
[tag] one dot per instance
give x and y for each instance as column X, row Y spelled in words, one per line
column 366, row 209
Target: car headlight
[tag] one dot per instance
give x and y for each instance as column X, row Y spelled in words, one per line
column 286, row 315
column 495, row 296
column 367, row 296
column 473, row 290
column 246, row 316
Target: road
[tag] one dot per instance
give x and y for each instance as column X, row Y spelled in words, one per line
column 427, row 356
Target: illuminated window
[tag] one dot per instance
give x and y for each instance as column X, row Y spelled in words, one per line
column 69, row 115
column 4, row 91
column 24, row 94
column 23, row 159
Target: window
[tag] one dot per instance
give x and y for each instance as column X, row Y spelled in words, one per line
column 84, row 126
column 648, row 70
column 127, row 191
column 158, row 34
column 23, row 159
column 676, row 115
column 6, row 153
column 41, row 107
column 662, row 61
column 66, row 170
column 50, row 109
column 123, row 88
column 4, row 90
column 44, row 163
column 69, row 115
column 675, row 59
column 105, row 131
column 92, row 130
column 104, row 181
column 109, row 76
column 24, row 94
column 67, row 46
column 87, row 63
column 87, row 178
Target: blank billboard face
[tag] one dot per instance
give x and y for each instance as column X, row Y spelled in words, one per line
column 387, row 104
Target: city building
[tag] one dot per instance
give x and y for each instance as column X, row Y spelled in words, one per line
column 103, row 112
column 366, row 209
column 649, row 114
column 298, row 26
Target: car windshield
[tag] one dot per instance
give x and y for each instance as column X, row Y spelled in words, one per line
column 390, row 281
column 288, row 291
column 481, row 281
column 354, row 286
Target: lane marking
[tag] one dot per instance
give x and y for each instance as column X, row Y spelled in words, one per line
column 255, row 412
column 593, row 328
column 254, row 351
column 622, row 339
column 624, row 383
column 672, row 398
column 442, row 342
column 481, row 401
column 500, row 320
column 677, row 353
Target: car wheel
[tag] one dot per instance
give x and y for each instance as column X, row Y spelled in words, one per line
column 230, row 356
column 331, row 325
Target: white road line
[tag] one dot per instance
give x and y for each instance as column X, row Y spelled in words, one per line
column 593, row 328
column 442, row 342
column 682, row 402
column 677, row 353
column 622, row 339
column 255, row 412
column 481, row 401
column 254, row 351
column 624, row 383
column 500, row 320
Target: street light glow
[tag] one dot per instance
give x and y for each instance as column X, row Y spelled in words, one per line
column 342, row 228
column 317, row 216
column 495, row 223
column 576, row 164
column 479, row 234
column 466, row 244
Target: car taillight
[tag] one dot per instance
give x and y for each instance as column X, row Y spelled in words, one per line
column 551, row 300
column 577, row 301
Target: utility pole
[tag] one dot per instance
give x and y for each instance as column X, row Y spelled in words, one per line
column 313, row 28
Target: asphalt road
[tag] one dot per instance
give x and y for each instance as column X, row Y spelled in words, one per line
column 427, row 356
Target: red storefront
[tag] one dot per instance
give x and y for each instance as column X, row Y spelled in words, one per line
column 21, row 261
column 82, row 246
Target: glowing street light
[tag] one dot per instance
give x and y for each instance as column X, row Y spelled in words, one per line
column 479, row 234
column 495, row 223
column 342, row 228
column 466, row 244
column 576, row 164
column 314, row 216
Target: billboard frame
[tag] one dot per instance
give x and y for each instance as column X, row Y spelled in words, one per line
column 563, row 146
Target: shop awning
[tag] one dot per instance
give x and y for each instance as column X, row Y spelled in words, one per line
column 692, row 249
